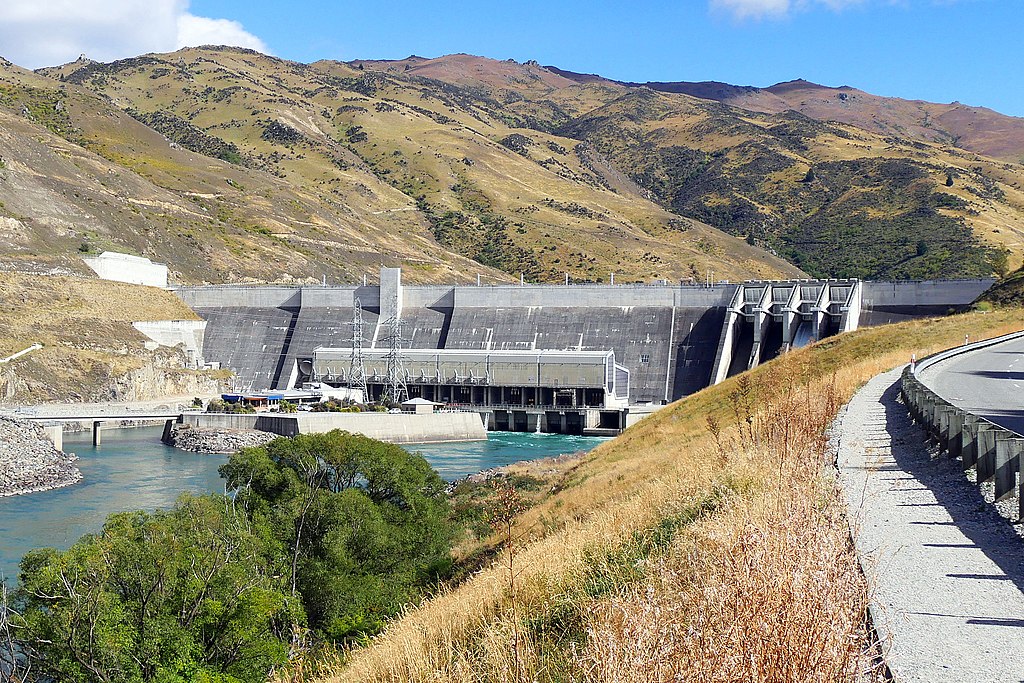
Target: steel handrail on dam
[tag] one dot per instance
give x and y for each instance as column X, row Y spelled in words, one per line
column 996, row 453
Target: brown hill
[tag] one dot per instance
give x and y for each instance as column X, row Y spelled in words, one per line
column 386, row 161
column 462, row 164
column 975, row 129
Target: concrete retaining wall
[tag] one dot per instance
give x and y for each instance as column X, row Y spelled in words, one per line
column 188, row 334
column 136, row 270
column 391, row 427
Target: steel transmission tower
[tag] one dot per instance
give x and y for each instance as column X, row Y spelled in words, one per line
column 357, row 366
column 396, row 390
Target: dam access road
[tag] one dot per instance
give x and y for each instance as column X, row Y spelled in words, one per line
column 945, row 569
column 987, row 382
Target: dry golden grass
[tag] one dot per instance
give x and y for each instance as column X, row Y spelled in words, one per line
column 735, row 546
column 85, row 327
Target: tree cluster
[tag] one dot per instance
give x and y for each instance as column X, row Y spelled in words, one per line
column 319, row 539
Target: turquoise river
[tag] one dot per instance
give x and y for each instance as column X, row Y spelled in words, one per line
column 133, row 470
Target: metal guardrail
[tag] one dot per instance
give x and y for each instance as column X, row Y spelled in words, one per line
column 996, row 453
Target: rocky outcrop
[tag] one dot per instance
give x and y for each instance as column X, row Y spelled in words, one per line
column 30, row 462
column 216, row 440
column 160, row 377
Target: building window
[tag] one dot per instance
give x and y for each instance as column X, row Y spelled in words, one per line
column 645, row 358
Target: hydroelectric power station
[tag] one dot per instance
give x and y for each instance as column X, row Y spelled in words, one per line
column 571, row 359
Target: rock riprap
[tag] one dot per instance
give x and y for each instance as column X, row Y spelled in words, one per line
column 216, row 440
column 30, row 462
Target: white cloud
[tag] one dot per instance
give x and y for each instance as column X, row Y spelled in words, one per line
column 35, row 33
column 757, row 9
column 193, row 30
column 747, row 9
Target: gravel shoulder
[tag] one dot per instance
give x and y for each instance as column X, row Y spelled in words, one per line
column 945, row 570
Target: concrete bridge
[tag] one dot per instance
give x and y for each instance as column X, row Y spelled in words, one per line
column 54, row 425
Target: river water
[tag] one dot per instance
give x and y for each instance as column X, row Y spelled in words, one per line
column 133, row 470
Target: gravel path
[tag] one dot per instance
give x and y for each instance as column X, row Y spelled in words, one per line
column 946, row 570
column 97, row 409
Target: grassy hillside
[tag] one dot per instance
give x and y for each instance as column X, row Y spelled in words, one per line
column 712, row 527
column 234, row 165
column 836, row 199
column 1008, row 291
column 975, row 129
column 331, row 168
column 80, row 174
column 89, row 345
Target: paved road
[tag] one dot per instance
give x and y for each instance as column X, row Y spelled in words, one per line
column 988, row 382
column 946, row 572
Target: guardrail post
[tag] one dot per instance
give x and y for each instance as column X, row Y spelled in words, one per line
column 986, row 466
column 969, row 442
column 1007, row 464
column 927, row 415
column 914, row 402
column 956, row 426
column 1020, row 494
column 942, row 426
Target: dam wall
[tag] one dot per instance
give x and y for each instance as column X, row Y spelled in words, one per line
column 667, row 336
column 891, row 302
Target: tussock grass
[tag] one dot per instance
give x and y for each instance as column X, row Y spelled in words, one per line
column 677, row 551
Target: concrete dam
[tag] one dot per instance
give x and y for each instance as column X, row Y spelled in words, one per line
column 572, row 358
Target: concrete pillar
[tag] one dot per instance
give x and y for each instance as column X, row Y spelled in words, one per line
column 168, row 425
column 791, row 317
column 762, row 312
column 390, row 293
column 97, row 431
column 55, row 433
column 1007, row 464
column 821, row 310
column 726, row 346
column 851, row 311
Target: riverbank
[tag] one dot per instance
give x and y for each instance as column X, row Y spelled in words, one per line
column 29, row 462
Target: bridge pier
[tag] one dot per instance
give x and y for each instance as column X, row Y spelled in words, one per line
column 97, row 433
column 56, row 434
column 168, row 426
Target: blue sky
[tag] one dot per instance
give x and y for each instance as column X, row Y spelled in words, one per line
column 938, row 50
